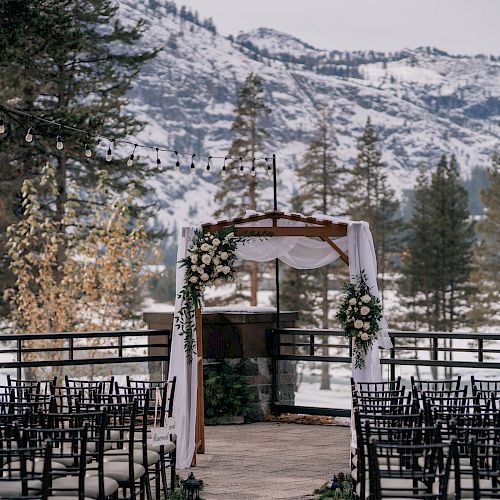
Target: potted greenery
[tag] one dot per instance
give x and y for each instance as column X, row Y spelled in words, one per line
column 228, row 398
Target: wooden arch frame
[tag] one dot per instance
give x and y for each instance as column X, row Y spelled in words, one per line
column 313, row 228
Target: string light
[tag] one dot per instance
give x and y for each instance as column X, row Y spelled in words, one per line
column 177, row 163
column 269, row 168
column 130, row 161
column 109, row 152
column 158, row 161
column 90, row 137
column 29, row 135
column 252, row 172
column 223, row 172
column 193, row 168
column 207, row 169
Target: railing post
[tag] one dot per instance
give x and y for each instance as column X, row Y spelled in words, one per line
column 120, row 346
column 19, row 370
column 480, row 347
column 275, row 343
column 71, row 347
column 393, row 357
column 311, row 344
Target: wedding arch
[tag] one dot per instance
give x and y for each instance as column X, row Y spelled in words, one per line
column 299, row 241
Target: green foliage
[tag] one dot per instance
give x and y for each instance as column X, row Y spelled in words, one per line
column 370, row 198
column 486, row 258
column 437, row 257
column 226, row 392
column 359, row 315
column 339, row 488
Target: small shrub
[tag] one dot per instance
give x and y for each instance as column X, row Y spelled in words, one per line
column 226, row 392
column 338, row 488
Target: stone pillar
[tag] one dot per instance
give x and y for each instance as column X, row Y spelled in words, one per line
column 241, row 339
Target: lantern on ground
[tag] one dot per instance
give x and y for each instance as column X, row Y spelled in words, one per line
column 191, row 487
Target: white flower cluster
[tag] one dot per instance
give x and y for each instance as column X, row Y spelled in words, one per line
column 208, row 263
column 359, row 308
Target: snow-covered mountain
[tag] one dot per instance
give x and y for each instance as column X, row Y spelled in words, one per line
column 423, row 102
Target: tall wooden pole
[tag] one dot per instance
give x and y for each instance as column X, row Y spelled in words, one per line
column 199, row 435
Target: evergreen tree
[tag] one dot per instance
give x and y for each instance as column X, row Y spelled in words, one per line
column 245, row 192
column 437, row 257
column 486, row 257
column 370, row 198
column 321, row 182
column 70, row 62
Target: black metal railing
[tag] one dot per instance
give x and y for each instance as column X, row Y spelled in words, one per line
column 34, row 350
column 433, row 350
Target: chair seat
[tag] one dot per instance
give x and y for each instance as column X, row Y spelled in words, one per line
column 37, row 467
column 119, row 456
column 169, row 447
column 119, row 471
column 13, row 489
column 68, row 486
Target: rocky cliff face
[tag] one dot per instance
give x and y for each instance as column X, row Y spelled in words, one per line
column 423, row 102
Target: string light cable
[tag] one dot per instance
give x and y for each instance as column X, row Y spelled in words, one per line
column 112, row 144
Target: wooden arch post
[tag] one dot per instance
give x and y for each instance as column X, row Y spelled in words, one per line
column 313, row 228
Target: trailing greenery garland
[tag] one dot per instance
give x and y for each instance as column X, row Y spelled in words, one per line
column 210, row 262
column 359, row 315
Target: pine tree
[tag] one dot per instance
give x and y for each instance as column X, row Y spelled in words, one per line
column 437, row 257
column 370, row 198
column 486, row 257
column 245, row 192
column 70, row 62
column 321, row 190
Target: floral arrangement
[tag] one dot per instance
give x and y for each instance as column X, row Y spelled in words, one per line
column 359, row 315
column 210, row 262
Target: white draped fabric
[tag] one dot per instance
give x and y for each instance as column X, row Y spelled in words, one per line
column 300, row 252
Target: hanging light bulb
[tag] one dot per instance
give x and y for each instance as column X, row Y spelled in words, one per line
column 241, row 167
column 193, row 168
column 88, row 151
column 2, row 126
column 130, row 161
column 109, row 153
column 29, row 135
column 223, row 172
column 269, row 169
column 252, row 172
column 158, row 161
column 208, row 167
column 177, row 163
column 59, row 143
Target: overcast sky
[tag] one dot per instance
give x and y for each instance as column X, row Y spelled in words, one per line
column 457, row 26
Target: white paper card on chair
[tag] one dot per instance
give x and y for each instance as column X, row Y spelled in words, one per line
column 160, row 436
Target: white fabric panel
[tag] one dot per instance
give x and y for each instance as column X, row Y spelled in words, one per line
column 187, row 374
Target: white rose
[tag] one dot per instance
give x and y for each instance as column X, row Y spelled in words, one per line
column 358, row 324
column 219, row 268
column 205, row 247
column 204, row 277
column 365, row 310
column 366, row 298
column 206, row 259
column 352, row 301
column 218, row 282
column 224, row 255
column 194, row 259
column 226, row 269
column 194, row 268
column 202, row 266
column 193, row 279
column 364, row 336
column 366, row 325
column 216, row 261
column 216, row 242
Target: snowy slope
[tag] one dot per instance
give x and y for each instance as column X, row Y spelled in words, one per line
column 422, row 102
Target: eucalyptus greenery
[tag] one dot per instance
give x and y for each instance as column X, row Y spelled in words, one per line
column 359, row 315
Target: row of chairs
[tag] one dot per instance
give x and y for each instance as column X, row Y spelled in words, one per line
column 89, row 439
column 436, row 440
